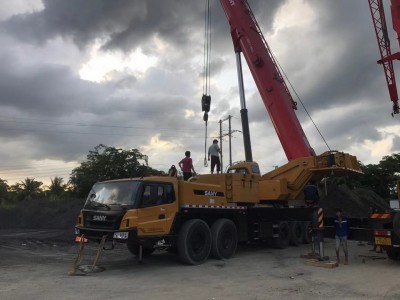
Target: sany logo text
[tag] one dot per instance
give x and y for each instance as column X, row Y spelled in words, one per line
column 210, row 193
column 99, row 218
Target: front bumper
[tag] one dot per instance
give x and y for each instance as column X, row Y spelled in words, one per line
column 121, row 236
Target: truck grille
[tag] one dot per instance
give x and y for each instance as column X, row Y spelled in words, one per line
column 102, row 221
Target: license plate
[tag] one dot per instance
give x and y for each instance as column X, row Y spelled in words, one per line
column 386, row 241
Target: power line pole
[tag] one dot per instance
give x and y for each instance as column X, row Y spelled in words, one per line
column 220, row 142
column 230, row 140
column 229, row 134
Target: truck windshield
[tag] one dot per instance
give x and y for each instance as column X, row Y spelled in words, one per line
column 120, row 193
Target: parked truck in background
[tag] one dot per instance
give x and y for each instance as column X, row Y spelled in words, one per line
column 386, row 228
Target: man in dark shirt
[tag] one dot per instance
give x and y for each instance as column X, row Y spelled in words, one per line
column 311, row 195
column 341, row 233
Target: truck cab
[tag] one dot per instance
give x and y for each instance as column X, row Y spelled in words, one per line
column 126, row 209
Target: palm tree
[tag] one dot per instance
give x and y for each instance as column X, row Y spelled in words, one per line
column 27, row 188
column 57, row 186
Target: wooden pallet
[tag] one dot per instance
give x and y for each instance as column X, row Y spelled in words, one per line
column 323, row 263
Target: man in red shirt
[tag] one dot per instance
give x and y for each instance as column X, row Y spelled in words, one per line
column 186, row 165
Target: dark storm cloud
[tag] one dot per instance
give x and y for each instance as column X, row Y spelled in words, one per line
column 125, row 23
column 82, row 21
column 332, row 63
column 66, row 116
column 342, row 55
column 335, row 68
column 45, row 89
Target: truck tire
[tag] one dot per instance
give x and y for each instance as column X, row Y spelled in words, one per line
column 134, row 249
column 224, row 239
column 194, row 242
column 396, row 224
column 393, row 253
column 307, row 232
column 296, row 233
column 283, row 240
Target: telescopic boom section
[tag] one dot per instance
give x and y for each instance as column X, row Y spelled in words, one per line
column 247, row 38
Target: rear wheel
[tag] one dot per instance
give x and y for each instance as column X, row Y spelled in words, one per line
column 135, row 250
column 393, row 253
column 296, row 233
column 224, row 238
column 283, row 240
column 194, row 242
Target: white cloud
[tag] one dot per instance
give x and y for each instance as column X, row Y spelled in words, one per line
column 294, row 14
column 102, row 64
column 15, row 7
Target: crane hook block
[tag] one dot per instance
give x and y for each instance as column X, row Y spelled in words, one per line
column 205, row 117
column 206, row 103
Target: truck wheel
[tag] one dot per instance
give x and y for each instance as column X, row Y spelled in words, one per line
column 393, row 253
column 296, row 233
column 194, row 242
column 307, row 232
column 396, row 224
column 224, row 238
column 134, row 249
column 283, row 240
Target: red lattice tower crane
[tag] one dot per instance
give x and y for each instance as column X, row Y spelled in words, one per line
column 379, row 20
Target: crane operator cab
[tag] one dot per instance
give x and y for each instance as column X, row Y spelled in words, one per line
column 244, row 167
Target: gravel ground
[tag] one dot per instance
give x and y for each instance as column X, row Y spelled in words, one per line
column 35, row 265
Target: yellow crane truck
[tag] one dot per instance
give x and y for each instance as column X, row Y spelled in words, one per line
column 209, row 214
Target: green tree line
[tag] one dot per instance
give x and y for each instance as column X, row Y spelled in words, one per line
column 102, row 163
column 382, row 177
column 107, row 163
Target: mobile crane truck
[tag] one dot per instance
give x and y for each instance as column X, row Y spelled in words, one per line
column 210, row 214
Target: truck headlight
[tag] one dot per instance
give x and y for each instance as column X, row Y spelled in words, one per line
column 121, row 235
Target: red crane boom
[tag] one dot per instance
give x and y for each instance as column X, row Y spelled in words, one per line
column 248, row 39
column 379, row 20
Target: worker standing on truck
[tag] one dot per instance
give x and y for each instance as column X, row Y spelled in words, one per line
column 213, row 152
column 341, row 233
column 311, row 195
column 186, row 165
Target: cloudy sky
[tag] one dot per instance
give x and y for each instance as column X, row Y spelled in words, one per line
column 128, row 73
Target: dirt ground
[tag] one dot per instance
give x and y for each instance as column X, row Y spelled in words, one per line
column 35, row 264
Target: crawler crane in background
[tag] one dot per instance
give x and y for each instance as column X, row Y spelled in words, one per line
column 382, row 36
column 386, row 225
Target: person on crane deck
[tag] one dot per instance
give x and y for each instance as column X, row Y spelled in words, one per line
column 213, row 152
column 311, row 195
column 186, row 165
